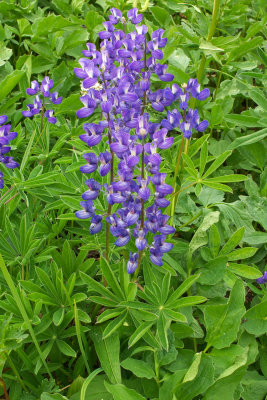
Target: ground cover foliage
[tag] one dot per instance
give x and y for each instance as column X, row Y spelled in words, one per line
column 76, row 326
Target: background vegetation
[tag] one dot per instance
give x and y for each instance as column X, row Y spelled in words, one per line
column 63, row 335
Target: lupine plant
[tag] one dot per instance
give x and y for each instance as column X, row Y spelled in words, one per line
column 117, row 79
column 156, row 289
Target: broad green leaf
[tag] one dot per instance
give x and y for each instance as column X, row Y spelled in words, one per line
column 65, row 348
column 58, row 316
column 200, row 237
column 240, row 254
column 108, row 351
column 9, row 82
column 259, row 311
column 217, row 186
column 245, row 271
column 197, row 380
column 138, row 367
column 121, row 392
column 225, row 318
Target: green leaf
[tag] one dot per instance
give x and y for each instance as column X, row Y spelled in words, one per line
column 69, row 105
column 161, row 15
column 49, row 24
column 138, row 367
column 108, row 314
column 174, row 315
column 139, row 333
column 203, row 158
column 121, row 392
column 187, row 301
column 200, row 237
column 249, row 139
column 259, row 311
column 259, row 98
column 87, row 382
column 243, row 120
column 181, row 290
column 108, row 351
column 229, row 178
column 114, row 325
column 240, row 254
column 225, row 318
column 217, row 163
column 58, row 316
column 214, row 240
column 245, row 271
column 9, row 82
column 162, row 331
column 65, row 348
column 97, row 287
column 234, row 240
column 110, row 278
column 217, row 186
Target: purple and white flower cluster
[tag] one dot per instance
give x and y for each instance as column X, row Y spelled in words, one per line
column 5, row 138
column 43, row 99
column 117, row 79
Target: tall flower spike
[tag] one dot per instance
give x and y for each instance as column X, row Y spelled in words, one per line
column 116, row 82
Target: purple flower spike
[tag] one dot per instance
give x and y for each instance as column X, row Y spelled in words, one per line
column 134, row 17
column 156, row 256
column 132, row 263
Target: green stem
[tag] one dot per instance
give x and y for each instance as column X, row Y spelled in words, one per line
column 191, row 220
column 174, row 199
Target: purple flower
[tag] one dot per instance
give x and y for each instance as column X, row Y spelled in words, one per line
column 91, row 165
column 34, row 89
column 93, row 134
column 96, row 224
column 104, row 159
column 1, row 180
column 88, row 210
column 262, row 279
column 93, row 189
column 47, row 84
column 132, row 263
column 134, row 17
column 49, row 115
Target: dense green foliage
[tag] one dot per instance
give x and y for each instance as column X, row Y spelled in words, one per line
column 192, row 329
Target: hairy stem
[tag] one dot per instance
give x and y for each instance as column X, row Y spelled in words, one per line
column 111, row 176
column 140, row 253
